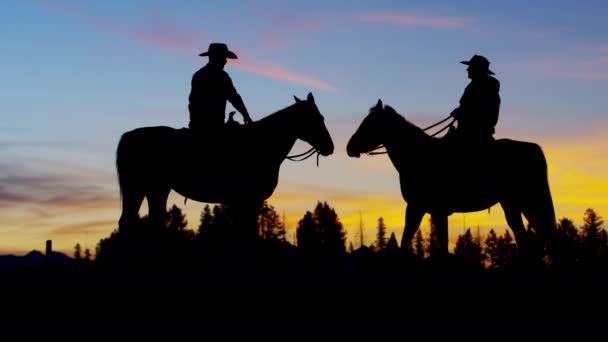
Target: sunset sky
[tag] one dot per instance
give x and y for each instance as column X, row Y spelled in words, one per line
column 77, row 74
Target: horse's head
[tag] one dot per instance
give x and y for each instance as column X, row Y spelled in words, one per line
column 311, row 128
column 370, row 133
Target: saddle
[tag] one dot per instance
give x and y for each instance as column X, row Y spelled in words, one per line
column 216, row 142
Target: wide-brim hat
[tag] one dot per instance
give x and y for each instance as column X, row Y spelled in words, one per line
column 480, row 63
column 219, row 49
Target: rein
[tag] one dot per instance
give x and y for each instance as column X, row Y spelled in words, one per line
column 305, row 155
column 375, row 150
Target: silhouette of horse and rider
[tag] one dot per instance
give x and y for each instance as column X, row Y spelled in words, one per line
column 466, row 170
column 241, row 165
column 236, row 165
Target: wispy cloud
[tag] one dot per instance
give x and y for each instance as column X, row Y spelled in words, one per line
column 158, row 33
column 54, row 184
column 591, row 63
column 52, row 191
column 76, row 229
column 167, row 35
column 415, row 20
column 281, row 73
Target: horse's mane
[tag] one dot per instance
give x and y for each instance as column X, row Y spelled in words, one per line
column 265, row 123
column 276, row 114
column 402, row 123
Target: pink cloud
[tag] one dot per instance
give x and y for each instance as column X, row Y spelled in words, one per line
column 9, row 197
column 159, row 34
column 272, row 41
column 408, row 19
column 281, row 73
column 169, row 36
column 65, row 191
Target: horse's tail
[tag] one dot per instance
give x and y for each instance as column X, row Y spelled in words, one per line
column 125, row 154
column 541, row 200
column 545, row 200
column 120, row 161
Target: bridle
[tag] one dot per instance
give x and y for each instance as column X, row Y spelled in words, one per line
column 375, row 150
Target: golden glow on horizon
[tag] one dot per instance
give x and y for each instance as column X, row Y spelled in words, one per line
column 577, row 176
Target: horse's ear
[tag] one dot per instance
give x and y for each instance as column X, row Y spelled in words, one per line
column 310, row 98
column 297, row 99
column 379, row 104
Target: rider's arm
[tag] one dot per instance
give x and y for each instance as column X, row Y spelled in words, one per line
column 465, row 102
column 237, row 102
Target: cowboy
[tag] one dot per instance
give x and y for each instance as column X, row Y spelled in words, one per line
column 211, row 88
column 477, row 114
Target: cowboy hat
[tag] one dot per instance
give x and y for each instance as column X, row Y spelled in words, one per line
column 480, row 63
column 219, row 49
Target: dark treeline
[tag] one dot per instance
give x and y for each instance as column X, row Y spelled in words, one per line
column 218, row 242
column 197, row 282
column 320, row 244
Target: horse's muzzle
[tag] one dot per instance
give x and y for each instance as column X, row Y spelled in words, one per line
column 352, row 153
column 327, row 151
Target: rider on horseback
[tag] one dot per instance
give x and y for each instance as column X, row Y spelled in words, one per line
column 211, row 88
column 477, row 114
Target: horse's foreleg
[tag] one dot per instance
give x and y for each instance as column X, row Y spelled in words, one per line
column 413, row 217
column 157, row 207
column 440, row 221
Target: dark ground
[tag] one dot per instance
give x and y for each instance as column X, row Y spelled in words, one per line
column 89, row 302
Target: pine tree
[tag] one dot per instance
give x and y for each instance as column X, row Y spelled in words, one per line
column 491, row 249
column 503, row 250
column 321, row 231
column 419, row 245
column 176, row 219
column 270, row 224
column 206, row 220
column 380, row 243
column 434, row 248
column 392, row 247
column 592, row 236
column 468, row 249
column 569, row 240
column 77, row 253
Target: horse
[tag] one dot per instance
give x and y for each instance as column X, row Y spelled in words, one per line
column 435, row 179
column 238, row 167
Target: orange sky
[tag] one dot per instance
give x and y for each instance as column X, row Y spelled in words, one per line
column 576, row 173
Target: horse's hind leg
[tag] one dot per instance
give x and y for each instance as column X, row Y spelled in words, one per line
column 544, row 224
column 131, row 203
column 516, row 223
column 413, row 217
